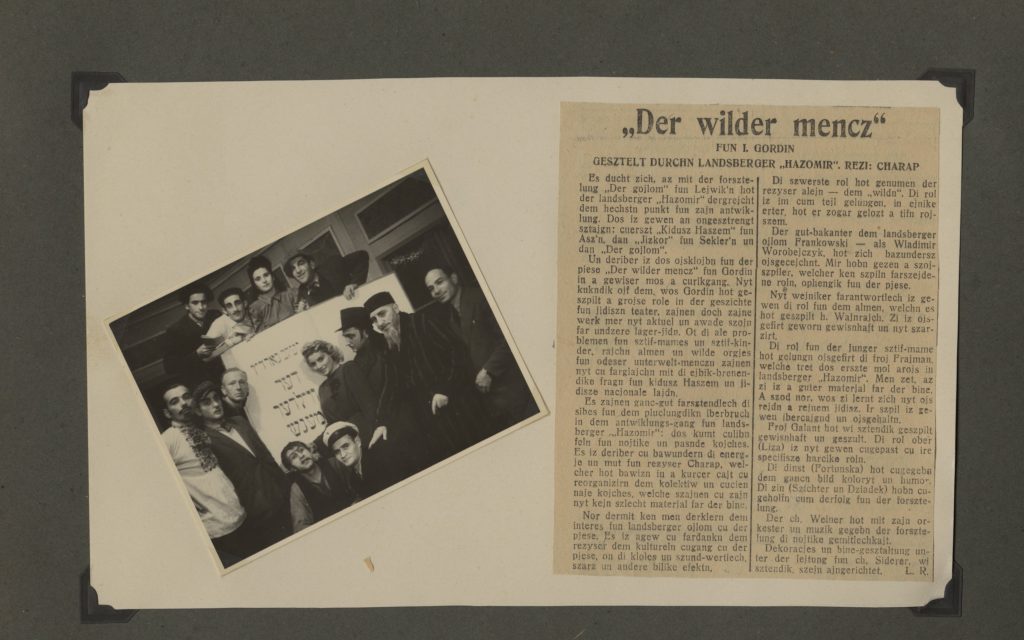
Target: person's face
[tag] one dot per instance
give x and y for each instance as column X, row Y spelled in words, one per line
column 302, row 269
column 211, row 409
column 178, row 404
column 263, row 280
column 196, row 306
column 384, row 318
column 441, row 286
column 235, row 386
column 354, row 338
column 347, row 450
column 300, row 459
column 234, row 306
column 321, row 362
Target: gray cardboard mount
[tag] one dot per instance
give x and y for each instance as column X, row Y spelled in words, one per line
column 43, row 485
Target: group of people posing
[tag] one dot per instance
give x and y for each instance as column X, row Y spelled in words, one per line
column 420, row 388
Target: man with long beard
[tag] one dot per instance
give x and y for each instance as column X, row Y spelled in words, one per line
column 317, row 283
column 427, row 376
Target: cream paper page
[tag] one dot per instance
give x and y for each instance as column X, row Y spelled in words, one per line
column 179, row 175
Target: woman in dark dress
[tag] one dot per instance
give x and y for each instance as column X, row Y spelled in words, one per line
column 339, row 394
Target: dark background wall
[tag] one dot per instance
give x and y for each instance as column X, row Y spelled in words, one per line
column 43, row 487
column 388, row 223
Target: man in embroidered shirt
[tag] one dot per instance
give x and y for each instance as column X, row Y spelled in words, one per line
column 318, row 282
column 395, row 444
column 186, row 357
column 212, row 493
column 261, row 485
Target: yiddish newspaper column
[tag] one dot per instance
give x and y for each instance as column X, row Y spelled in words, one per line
column 747, row 332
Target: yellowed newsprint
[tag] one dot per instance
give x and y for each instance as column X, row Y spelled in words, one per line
column 748, row 341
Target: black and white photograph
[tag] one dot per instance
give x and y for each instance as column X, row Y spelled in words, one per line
column 324, row 368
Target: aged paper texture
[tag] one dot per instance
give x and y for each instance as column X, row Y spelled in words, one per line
column 748, row 309
column 178, row 176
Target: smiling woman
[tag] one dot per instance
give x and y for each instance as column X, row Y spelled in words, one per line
column 335, row 399
column 322, row 357
column 270, row 306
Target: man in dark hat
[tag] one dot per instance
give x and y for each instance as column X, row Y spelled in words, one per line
column 364, row 378
column 427, row 373
column 261, row 485
column 321, row 282
column 318, row 490
column 497, row 377
column 186, row 357
column 369, row 359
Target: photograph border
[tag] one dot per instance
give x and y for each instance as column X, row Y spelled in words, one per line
column 543, row 410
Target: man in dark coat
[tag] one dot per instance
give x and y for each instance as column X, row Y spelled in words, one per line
column 497, row 376
column 394, row 443
column 427, row 374
column 186, row 357
column 234, row 389
column 262, row 486
column 323, row 282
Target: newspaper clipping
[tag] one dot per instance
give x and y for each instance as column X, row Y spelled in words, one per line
column 747, row 319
